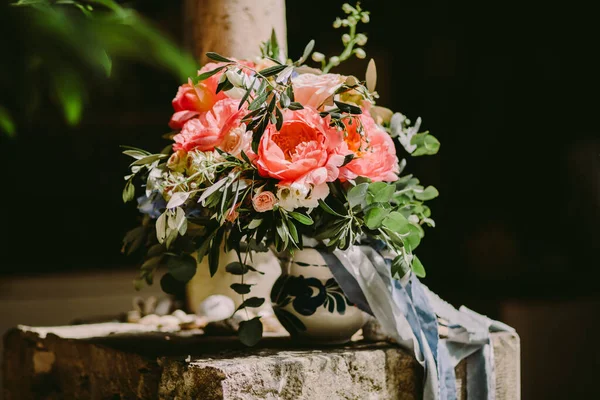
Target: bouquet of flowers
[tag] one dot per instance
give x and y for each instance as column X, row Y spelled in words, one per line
column 269, row 151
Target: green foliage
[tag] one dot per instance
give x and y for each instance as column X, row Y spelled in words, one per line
column 251, row 331
column 65, row 43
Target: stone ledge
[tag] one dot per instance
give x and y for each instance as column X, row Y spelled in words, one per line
column 122, row 361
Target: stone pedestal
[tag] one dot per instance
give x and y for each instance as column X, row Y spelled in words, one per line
column 128, row 361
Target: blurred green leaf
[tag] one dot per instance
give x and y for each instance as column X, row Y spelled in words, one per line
column 7, row 125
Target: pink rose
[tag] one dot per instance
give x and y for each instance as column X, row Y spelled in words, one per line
column 264, row 201
column 313, row 90
column 209, row 129
column 302, row 151
column 373, row 149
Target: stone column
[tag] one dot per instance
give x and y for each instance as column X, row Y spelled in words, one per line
column 233, row 28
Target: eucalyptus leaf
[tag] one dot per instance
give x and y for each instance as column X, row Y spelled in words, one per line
column 252, row 302
column 170, row 285
column 418, row 268
column 396, row 222
column 241, row 288
column 429, row 193
column 183, row 268
column 426, row 144
column 357, row 195
column 374, row 217
column 250, row 332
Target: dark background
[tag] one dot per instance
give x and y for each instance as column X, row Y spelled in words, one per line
column 509, row 88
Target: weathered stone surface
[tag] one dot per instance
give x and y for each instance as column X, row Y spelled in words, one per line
column 125, row 361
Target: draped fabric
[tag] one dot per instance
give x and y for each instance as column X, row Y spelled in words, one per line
column 408, row 312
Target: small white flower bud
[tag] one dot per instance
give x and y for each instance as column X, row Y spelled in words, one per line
column 365, row 18
column 335, row 61
column 344, row 22
column 337, row 23
column 361, row 39
column 360, row 53
column 352, row 20
column 347, row 8
column 345, row 38
column 235, row 78
column 318, row 57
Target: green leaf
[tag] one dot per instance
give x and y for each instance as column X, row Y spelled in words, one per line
column 212, row 189
column 207, row 75
column 217, row 57
column 400, row 267
column 215, row 252
column 128, row 191
column 284, row 100
column 417, row 267
column 237, row 268
column 329, row 210
column 413, row 239
column 250, row 332
column 148, row 159
column 294, row 106
column 396, row 222
column 6, row 122
column 183, row 268
column 381, row 192
column 348, row 108
column 307, row 51
column 252, row 302
column 357, row 195
column 347, row 159
column 270, row 71
column 375, row 216
column 293, row 231
column 161, row 228
column 429, row 193
column 177, row 199
column 279, row 119
column 248, row 91
column 426, row 144
column 241, row 288
column 170, row 285
column 302, row 218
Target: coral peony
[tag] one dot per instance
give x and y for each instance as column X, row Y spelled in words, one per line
column 373, row 149
column 209, row 129
column 302, row 151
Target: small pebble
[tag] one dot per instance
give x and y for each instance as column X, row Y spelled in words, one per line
column 168, row 320
column 216, row 307
column 151, row 319
column 133, row 316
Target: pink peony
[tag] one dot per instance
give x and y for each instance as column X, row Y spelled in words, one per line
column 192, row 100
column 373, row 149
column 302, row 151
column 264, row 201
column 313, row 90
column 209, row 129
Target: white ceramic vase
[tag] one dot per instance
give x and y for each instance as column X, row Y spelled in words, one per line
column 310, row 304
